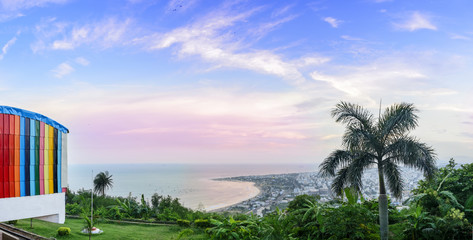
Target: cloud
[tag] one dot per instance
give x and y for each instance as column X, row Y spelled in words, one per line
column 364, row 81
column 281, row 11
column 208, row 38
column 429, row 92
column 106, row 33
column 13, row 5
column 267, row 27
column 11, row 9
column 333, row 22
column 459, row 37
column 415, row 21
column 6, row 47
column 82, row 61
column 201, row 118
column 311, row 61
column 350, row 38
column 62, row 70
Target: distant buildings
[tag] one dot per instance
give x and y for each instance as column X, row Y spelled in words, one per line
column 277, row 190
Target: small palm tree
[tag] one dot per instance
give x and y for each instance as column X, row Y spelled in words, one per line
column 384, row 144
column 102, row 182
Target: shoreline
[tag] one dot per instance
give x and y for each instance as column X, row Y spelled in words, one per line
column 252, row 193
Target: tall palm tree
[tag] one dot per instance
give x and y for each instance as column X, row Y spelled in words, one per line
column 102, row 182
column 383, row 143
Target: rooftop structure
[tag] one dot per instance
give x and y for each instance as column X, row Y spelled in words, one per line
column 33, row 166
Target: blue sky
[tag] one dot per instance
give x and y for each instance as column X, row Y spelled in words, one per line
column 235, row 81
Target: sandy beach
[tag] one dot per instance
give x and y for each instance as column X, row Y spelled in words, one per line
column 220, row 194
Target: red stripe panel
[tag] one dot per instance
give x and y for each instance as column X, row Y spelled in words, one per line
column 12, row 124
column 6, row 170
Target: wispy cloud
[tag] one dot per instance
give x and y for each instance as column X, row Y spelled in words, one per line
column 6, row 47
column 267, row 27
column 11, row 9
column 459, row 37
column 281, row 11
column 106, row 33
column 333, row 22
column 350, row 38
column 415, row 21
column 62, row 70
column 82, row 61
column 12, row 5
column 208, row 38
column 311, row 61
column 366, row 80
column 204, row 118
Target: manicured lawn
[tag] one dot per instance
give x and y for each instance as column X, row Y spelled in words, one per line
column 111, row 230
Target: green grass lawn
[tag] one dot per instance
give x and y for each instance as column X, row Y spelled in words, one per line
column 110, row 230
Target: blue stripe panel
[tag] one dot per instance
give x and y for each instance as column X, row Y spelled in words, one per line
column 22, row 126
column 32, row 186
column 32, row 128
column 33, row 115
column 22, row 142
column 59, row 162
column 59, row 170
column 22, row 188
column 32, row 142
column 22, row 157
column 22, row 169
column 32, row 161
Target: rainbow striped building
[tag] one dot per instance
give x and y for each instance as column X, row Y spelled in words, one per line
column 33, row 163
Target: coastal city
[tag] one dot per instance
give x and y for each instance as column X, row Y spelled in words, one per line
column 277, row 190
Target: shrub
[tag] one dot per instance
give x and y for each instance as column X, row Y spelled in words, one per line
column 13, row 222
column 183, row 223
column 73, row 209
column 185, row 233
column 202, row 223
column 114, row 213
column 63, row 231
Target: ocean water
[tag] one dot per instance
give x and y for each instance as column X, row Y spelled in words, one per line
column 191, row 183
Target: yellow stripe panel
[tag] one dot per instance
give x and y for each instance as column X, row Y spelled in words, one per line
column 46, row 165
column 51, row 179
column 51, row 158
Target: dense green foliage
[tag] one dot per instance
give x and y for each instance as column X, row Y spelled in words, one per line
column 442, row 207
column 438, row 210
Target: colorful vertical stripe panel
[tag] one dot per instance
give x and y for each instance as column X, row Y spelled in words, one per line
column 31, row 154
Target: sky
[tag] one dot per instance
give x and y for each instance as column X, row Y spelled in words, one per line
column 235, row 81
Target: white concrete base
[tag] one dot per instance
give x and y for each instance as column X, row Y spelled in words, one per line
column 49, row 207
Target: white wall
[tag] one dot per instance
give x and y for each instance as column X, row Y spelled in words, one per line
column 49, row 207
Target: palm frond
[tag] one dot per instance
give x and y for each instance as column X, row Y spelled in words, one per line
column 392, row 174
column 412, row 153
column 356, row 169
column 351, row 175
column 352, row 114
column 340, row 181
column 337, row 158
column 358, row 139
column 398, row 119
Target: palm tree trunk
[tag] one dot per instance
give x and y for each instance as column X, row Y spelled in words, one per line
column 383, row 206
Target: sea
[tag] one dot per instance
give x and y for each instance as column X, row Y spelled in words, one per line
column 193, row 184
